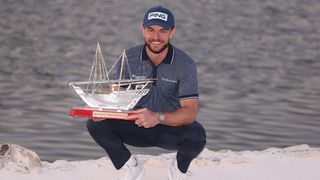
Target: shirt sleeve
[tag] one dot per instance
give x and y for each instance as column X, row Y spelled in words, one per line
column 188, row 82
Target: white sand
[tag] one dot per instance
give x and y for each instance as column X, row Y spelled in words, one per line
column 293, row 163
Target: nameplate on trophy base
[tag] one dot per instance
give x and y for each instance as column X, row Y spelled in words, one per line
column 95, row 113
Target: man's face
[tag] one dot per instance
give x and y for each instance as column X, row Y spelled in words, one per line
column 157, row 38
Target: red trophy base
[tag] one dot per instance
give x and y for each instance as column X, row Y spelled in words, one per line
column 95, row 113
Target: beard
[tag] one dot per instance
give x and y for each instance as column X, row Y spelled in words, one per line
column 157, row 51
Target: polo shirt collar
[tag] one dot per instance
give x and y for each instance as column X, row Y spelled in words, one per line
column 167, row 60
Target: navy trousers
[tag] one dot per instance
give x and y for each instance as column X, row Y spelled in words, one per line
column 112, row 135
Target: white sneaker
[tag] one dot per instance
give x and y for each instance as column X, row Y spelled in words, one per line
column 132, row 170
column 174, row 173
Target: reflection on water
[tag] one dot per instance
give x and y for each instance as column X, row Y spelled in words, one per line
column 257, row 62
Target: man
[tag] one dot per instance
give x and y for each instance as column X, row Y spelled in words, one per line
column 166, row 115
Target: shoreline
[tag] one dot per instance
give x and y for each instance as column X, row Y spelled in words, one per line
column 292, row 163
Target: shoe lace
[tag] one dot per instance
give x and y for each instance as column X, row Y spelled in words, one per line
column 126, row 171
column 178, row 175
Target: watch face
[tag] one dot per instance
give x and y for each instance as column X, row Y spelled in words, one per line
column 161, row 116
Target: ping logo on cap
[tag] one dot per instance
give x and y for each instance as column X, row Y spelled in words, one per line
column 158, row 15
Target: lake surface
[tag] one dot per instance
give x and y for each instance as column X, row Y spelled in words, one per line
column 258, row 68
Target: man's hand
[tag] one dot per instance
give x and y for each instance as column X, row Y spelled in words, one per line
column 183, row 116
column 146, row 118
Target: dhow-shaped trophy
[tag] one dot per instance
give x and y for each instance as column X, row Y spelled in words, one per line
column 109, row 94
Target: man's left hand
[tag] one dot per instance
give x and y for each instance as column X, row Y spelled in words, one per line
column 146, row 118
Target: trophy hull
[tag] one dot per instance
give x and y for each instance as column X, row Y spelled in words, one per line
column 117, row 100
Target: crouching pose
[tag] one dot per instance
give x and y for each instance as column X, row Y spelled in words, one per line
column 167, row 114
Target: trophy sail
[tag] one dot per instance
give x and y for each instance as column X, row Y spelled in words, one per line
column 102, row 92
column 98, row 73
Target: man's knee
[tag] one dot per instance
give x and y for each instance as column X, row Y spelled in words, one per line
column 91, row 125
column 95, row 127
column 195, row 135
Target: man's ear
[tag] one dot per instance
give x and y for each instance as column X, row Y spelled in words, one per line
column 172, row 33
column 142, row 29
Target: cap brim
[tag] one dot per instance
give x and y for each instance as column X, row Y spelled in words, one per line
column 159, row 23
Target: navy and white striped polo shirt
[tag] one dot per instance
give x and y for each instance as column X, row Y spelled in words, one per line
column 176, row 78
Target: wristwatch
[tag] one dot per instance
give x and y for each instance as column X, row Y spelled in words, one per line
column 161, row 117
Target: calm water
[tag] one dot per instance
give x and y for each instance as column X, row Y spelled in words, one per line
column 258, row 64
